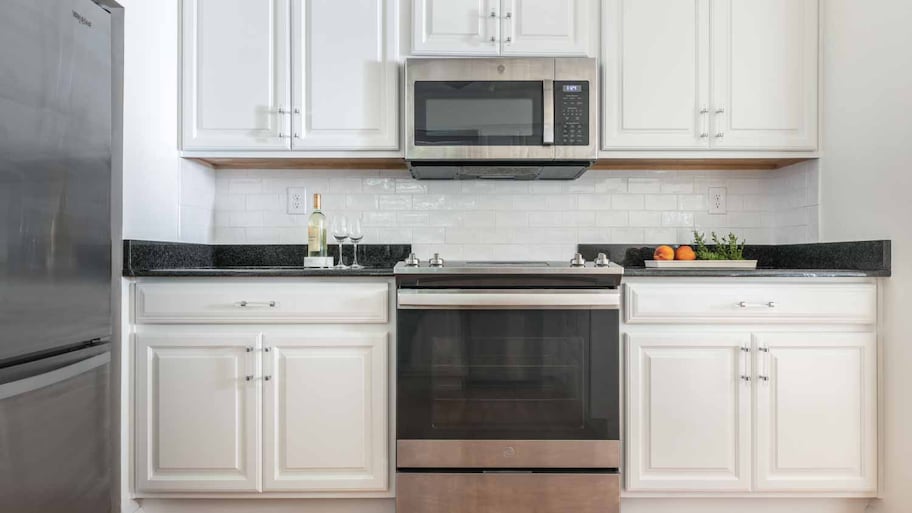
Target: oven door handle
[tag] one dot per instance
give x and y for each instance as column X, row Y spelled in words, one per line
column 462, row 299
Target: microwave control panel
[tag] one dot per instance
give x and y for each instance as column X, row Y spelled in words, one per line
column 571, row 112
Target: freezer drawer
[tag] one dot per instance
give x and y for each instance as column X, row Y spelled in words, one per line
column 55, row 448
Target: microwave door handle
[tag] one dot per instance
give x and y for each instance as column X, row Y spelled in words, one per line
column 548, row 112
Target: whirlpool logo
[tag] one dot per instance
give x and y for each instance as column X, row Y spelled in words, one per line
column 82, row 19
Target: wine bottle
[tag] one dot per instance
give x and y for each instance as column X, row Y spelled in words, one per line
column 316, row 231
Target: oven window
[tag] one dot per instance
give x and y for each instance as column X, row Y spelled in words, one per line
column 507, row 374
column 494, row 113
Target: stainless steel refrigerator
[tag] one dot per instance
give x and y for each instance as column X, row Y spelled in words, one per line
column 55, row 256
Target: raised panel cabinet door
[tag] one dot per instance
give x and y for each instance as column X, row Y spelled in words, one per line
column 688, row 412
column 456, row 27
column 816, row 412
column 345, row 75
column 765, row 74
column 548, row 27
column 326, row 412
column 656, row 74
column 234, row 75
column 197, row 413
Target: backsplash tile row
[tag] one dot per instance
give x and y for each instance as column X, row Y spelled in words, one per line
column 514, row 219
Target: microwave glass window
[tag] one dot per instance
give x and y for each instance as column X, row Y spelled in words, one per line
column 482, row 117
column 478, row 113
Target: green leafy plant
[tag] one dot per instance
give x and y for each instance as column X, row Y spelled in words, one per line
column 726, row 248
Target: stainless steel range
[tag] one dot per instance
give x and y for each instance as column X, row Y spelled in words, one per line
column 508, row 386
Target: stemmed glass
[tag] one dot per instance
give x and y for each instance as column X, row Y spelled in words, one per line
column 340, row 233
column 355, row 233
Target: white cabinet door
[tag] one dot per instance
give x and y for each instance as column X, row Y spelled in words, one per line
column 765, row 74
column 197, row 413
column 688, row 412
column 234, row 74
column 656, row 74
column 548, row 27
column 325, row 412
column 456, row 27
column 816, row 412
column 345, row 74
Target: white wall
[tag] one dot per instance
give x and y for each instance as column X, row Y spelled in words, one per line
column 164, row 197
column 866, row 179
column 514, row 219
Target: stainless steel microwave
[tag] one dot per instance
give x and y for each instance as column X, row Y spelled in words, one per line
column 501, row 117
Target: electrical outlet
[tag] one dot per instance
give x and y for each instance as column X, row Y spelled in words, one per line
column 297, row 201
column 717, row 200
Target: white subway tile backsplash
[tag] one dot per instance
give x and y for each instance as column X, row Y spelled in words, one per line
column 508, row 220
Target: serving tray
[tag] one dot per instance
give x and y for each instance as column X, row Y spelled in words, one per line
column 701, row 264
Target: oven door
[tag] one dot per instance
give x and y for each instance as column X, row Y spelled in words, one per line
column 472, row 109
column 508, row 365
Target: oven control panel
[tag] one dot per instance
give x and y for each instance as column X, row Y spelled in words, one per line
column 571, row 112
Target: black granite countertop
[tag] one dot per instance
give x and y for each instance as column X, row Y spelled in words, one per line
column 861, row 259
column 175, row 259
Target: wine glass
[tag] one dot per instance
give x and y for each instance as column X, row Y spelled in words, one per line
column 355, row 233
column 340, row 233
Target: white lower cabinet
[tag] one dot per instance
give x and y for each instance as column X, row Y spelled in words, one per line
column 259, row 399
column 769, row 406
column 816, row 398
column 689, row 412
column 197, row 413
column 325, row 412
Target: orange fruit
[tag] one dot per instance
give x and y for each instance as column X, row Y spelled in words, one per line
column 685, row 253
column 664, row 253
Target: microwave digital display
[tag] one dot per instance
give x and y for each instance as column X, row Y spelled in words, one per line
column 573, row 88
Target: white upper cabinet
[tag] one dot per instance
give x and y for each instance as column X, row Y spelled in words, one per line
column 234, row 74
column 456, row 27
column 289, row 75
column 765, row 74
column 656, row 68
column 688, row 412
column 816, row 412
column 345, row 74
column 504, row 27
column 197, row 413
column 325, row 412
column 710, row 74
column 546, row 27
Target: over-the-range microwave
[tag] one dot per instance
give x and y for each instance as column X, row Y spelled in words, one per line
column 520, row 118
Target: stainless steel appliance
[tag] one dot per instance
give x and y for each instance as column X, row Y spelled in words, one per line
column 520, row 118
column 508, row 386
column 56, row 107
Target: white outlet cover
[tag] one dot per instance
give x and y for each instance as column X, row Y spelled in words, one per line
column 717, row 200
column 297, row 201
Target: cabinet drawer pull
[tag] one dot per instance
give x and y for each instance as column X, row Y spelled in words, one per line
column 248, row 378
column 746, row 378
column 768, row 304
column 253, row 304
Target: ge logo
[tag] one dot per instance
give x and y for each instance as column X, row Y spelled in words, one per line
column 509, row 452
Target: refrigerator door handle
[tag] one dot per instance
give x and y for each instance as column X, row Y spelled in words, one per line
column 29, row 384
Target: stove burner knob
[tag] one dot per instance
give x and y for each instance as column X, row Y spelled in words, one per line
column 578, row 261
column 436, row 261
column 602, row 260
column 412, row 261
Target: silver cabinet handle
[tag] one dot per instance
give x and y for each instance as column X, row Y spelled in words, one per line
column 768, row 304
column 764, row 369
column 508, row 40
column 248, row 378
column 493, row 14
column 248, row 349
column 704, row 122
column 283, row 135
column 253, row 304
column 493, row 39
column 745, row 364
column 719, row 110
column 746, row 378
column 282, row 110
column 267, row 378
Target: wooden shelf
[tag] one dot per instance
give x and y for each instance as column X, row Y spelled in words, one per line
column 626, row 164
